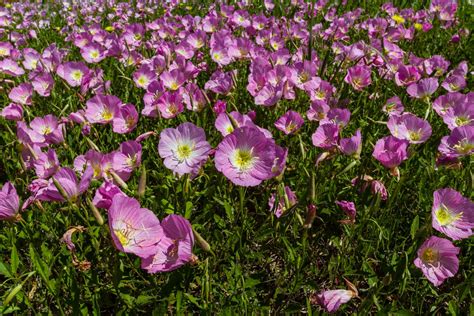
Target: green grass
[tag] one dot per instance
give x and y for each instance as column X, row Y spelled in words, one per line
column 259, row 264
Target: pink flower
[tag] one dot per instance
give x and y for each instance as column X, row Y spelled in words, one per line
column 348, row 207
column 452, row 214
column 246, row 156
column 73, row 73
column 126, row 120
column 102, row 109
column 175, row 247
column 49, row 127
column 390, row 151
column 134, row 229
column 13, row 112
column 184, row 149
column 290, row 122
column 9, row 202
column 333, row 299
column 359, row 77
column 423, row 89
column 352, row 146
column 43, row 84
column 170, row 104
column 282, row 205
column 437, row 259
column 105, row 193
column 410, row 127
column 326, row 136
column 22, row 94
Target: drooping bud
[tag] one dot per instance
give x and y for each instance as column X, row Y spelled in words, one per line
column 310, row 216
column 201, row 241
column 142, row 182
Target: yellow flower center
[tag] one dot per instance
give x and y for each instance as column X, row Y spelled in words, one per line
column 94, row 54
column 174, row 85
column 142, row 80
column 3, row 52
column 216, row 56
column 137, row 37
column 107, row 115
column 430, row 255
column 444, row 217
column 229, row 129
column 414, row 135
column 122, row 237
column 463, row 148
column 243, row 159
column 454, row 86
column 109, row 28
column 462, row 120
column 418, row 26
column 398, row 18
column 76, row 75
column 46, row 130
column 184, row 151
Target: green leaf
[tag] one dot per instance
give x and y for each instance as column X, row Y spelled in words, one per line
column 40, row 268
column 414, row 226
column 12, row 294
column 4, row 270
column 15, row 261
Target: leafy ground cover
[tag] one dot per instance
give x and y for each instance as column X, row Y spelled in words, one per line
column 258, row 157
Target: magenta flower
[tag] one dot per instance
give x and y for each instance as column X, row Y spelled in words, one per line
column 348, row 207
column 390, row 151
column 22, row 94
column 460, row 114
column 170, row 104
column 184, row 149
column 144, row 76
column 102, row 109
column 338, row 116
column 454, row 83
column 449, row 100
column 452, row 214
column 219, row 107
column 173, row 79
column 460, row 143
column 134, row 229
column 73, row 73
column 393, row 106
column 326, row 136
column 318, row 110
column 437, row 259
column 13, row 112
column 104, row 195
column 423, row 89
column 220, row 82
column 127, row 159
column 43, row 84
column 352, row 146
column 290, row 122
column 246, row 156
column 93, row 53
column 175, row 248
column 358, row 77
column 49, row 127
column 47, row 164
column 333, row 299
column 126, row 120
column 410, row 127
column 407, row 75
column 9, row 202
column 282, row 205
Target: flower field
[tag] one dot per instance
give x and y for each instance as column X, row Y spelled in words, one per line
column 223, row 157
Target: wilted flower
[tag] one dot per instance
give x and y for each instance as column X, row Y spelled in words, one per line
column 348, row 207
column 134, row 229
column 184, row 149
column 437, row 259
column 175, row 247
column 452, row 214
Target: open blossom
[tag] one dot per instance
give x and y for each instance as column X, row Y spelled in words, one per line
column 173, row 79
column 452, row 214
column 49, row 127
column 437, row 259
column 423, row 88
column 22, row 94
column 126, row 120
column 459, row 114
column 246, row 156
column 410, row 127
column 9, row 202
column 220, row 82
column 359, row 77
column 326, row 136
column 43, row 84
column 47, row 164
column 290, row 122
column 93, row 53
column 460, row 143
column 454, row 83
column 144, row 76
column 134, row 229
column 393, row 106
column 390, row 151
column 102, row 109
column 13, row 112
column 170, row 104
column 352, row 146
column 282, row 206
column 184, row 149
column 175, row 248
column 73, row 73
